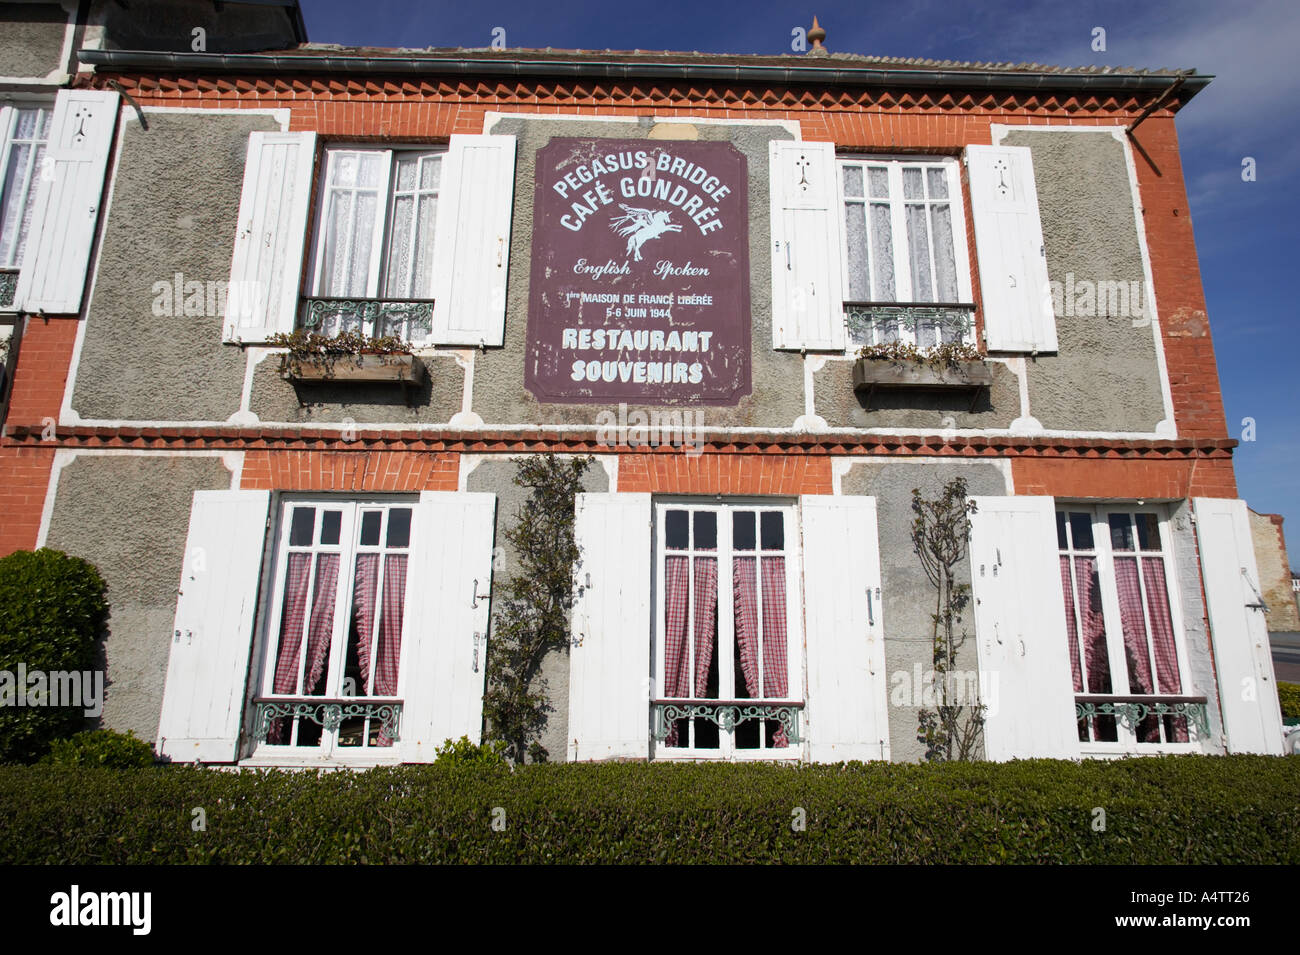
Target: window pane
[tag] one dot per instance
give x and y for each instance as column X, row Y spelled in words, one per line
column 945, row 256
column 1148, row 531
column 912, row 188
column 853, row 180
column 855, row 231
column 882, row 241
column 399, row 527
column 302, row 527
column 1121, row 532
column 742, row 530
column 1137, row 649
column 397, row 282
column 330, row 523
column 1061, row 541
column 339, row 237
column 918, row 247
column 430, row 172
column 706, row 530
column 773, row 526
column 422, row 281
column 675, row 530
column 406, row 174
column 878, row 179
column 1081, row 531
column 16, row 181
column 370, row 521
column 937, row 180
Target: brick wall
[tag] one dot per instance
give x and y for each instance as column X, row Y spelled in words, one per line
column 725, row 473
column 1137, row 479
column 349, row 471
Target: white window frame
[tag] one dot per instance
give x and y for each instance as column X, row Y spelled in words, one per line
column 724, row 639
column 329, row 750
column 903, row 292
column 1127, row 743
column 8, row 126
column 377, row 277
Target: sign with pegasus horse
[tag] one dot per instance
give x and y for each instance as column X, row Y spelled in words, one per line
column 639, row 289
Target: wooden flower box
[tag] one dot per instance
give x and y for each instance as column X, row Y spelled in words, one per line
column 873, row 374
column 398, row 369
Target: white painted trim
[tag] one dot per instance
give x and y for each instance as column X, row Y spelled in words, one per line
column 1167, row 428
column 233, row 461
column 791, row 126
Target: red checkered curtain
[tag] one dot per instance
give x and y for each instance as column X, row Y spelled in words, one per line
column 390, row 631
column 1071, row 628
column 292, row 618
column 676, row 601
column 1092, row 624
column 1137, row 652
column 321, row 630
column 1162, row 636
column 773, row 683
column 364, row 583
column 706, row 620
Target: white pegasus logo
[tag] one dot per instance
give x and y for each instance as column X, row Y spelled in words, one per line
column 640, row 226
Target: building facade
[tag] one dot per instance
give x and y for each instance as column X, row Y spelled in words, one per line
column 671, row 263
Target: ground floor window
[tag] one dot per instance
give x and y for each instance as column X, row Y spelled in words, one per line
column 1125, row 643
column 334, row 647
column 727, row 647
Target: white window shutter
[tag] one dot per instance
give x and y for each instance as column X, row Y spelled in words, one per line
column 1023, row 647
column 68, row 197
column 444, row 646
column 266, row 267
column 847, row 714
column 1017, row 298
column 471, row 252
column 207, row 672
column 807, row 302
column 609, row 656
column 1243, row 658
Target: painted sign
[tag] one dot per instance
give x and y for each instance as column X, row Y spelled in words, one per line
column 640, row 274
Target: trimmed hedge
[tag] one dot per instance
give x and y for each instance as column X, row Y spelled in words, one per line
column 106, row 748
column 1170, row 810
column 1288, row 694
column 52, row 612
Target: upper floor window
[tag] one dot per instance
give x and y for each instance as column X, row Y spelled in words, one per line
column 23, row 132
column 330, row 679
column 728, row 641
column 375, row 240
column 1124, row 640
column 904, row 239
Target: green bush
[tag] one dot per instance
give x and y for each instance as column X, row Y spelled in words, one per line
column 1288, row 695
column 464, row 753
column 52, row 612
column 1163, row 810
column 105, row 748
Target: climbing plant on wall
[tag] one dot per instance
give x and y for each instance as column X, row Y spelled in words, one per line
column 531, row 613
column 953, row 728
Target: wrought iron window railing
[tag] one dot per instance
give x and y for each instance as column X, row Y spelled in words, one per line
column 8, row 286
column 923, row 324
column 726, row 714
column 408, row 319
column 329, row 714
column 1131, row 711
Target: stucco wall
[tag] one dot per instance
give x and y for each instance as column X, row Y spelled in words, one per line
column 496, row 474
column 31, row 39
column 128, row 515
column 1274, row 571
column 499, row 393
column 907, row 594
column 1105, row 376
column 175, row 202
column 837, row 404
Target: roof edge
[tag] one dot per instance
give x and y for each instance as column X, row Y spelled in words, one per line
column 837, row 75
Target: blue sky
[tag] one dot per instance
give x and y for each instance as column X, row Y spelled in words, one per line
column 1247, row 233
